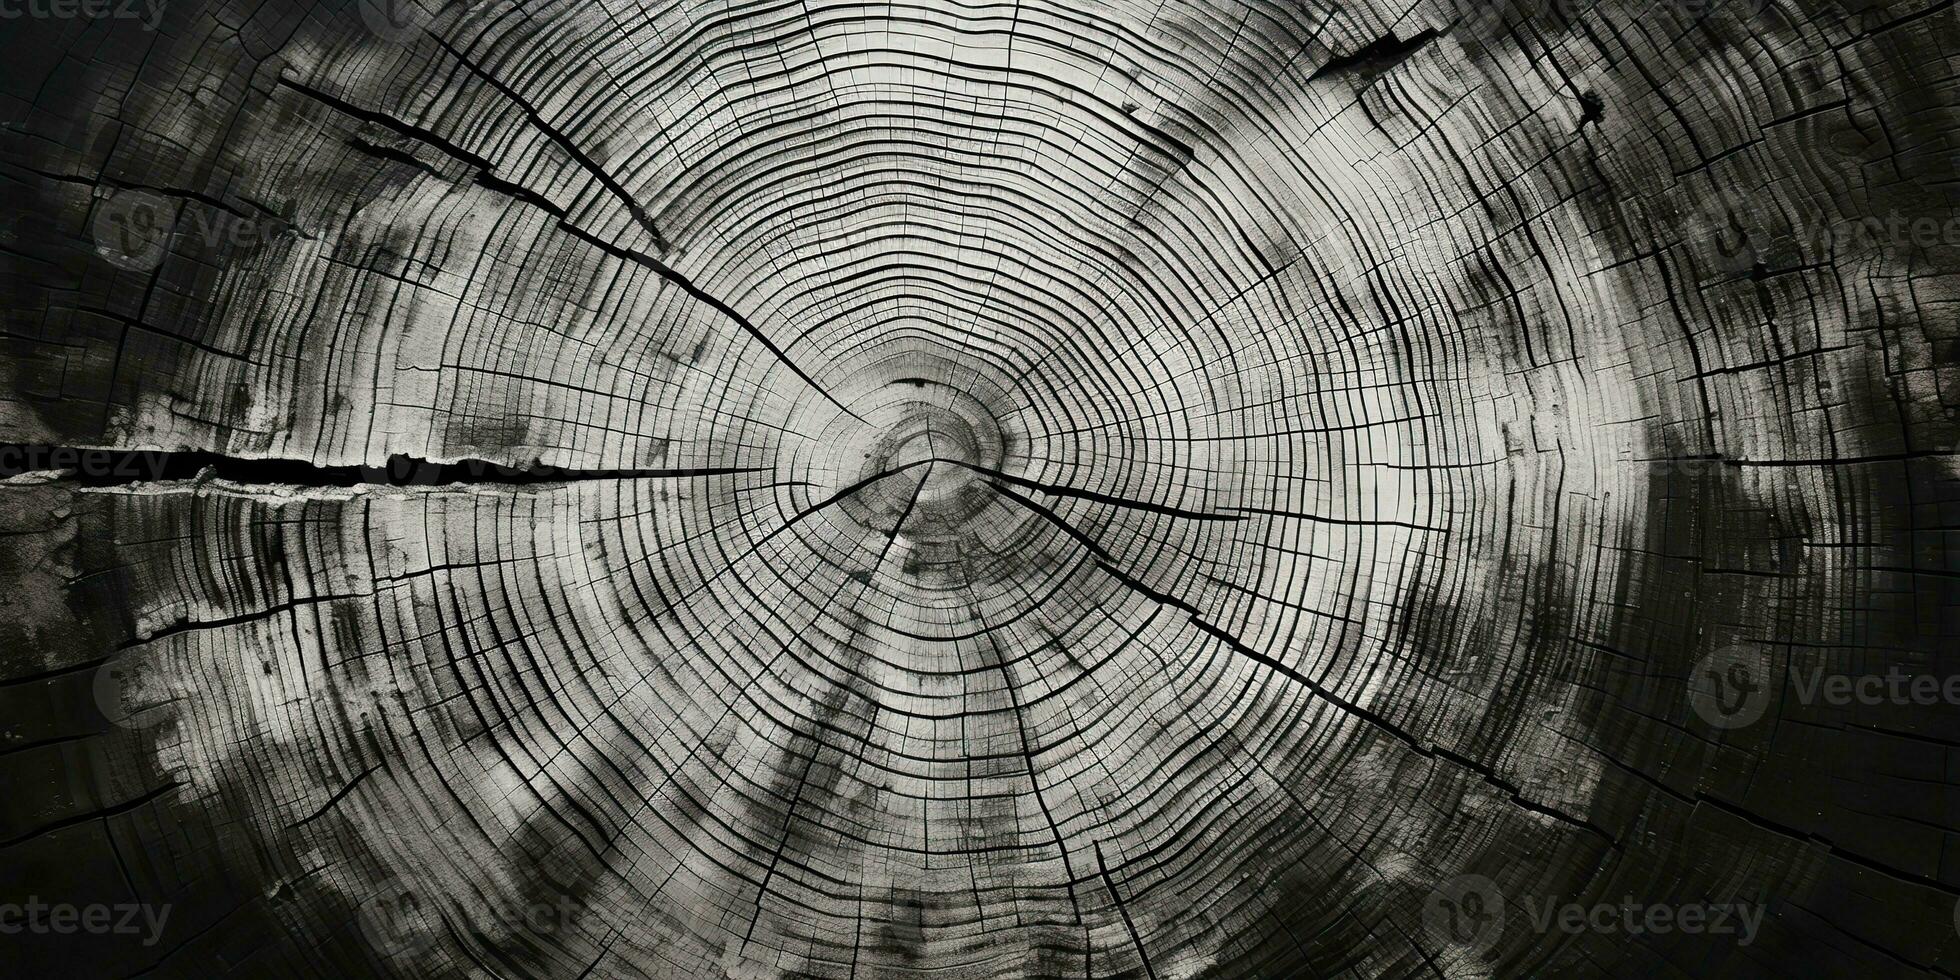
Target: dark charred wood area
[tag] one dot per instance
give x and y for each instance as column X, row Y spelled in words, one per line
column 1202, row 488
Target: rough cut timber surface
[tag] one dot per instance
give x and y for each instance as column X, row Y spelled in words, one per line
column 951, row 489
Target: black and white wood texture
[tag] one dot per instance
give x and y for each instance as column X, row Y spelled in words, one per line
column 962, row 489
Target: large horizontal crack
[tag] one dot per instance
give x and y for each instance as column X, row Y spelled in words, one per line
column 97, row 466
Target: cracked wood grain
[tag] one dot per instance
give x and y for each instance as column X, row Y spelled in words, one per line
column 1161, row 490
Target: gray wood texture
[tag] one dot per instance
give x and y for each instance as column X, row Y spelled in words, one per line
column 937, row 489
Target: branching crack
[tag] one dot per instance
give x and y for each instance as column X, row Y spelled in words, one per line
column 1057, row 490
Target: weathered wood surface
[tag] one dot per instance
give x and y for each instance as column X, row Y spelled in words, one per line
column 968, row 490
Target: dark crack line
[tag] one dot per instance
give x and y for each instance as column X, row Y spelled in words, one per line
column 795, row 519
column 846, row 492
column 1296, row 515
column 93, row 815
column 1765, row 824
column 891, row 537
column 640, row 216
column 385, row 121
column 1489, row 775
column 789, row 820
column 1101, row 498
column 563, row 142
column 336, row 798
column 708, row 299
column 1123, row 910
column 195, row 625
column 485, row 177
column 1028, row 761
column 1376, row 57
column 1049, row 515
column 104, row 467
